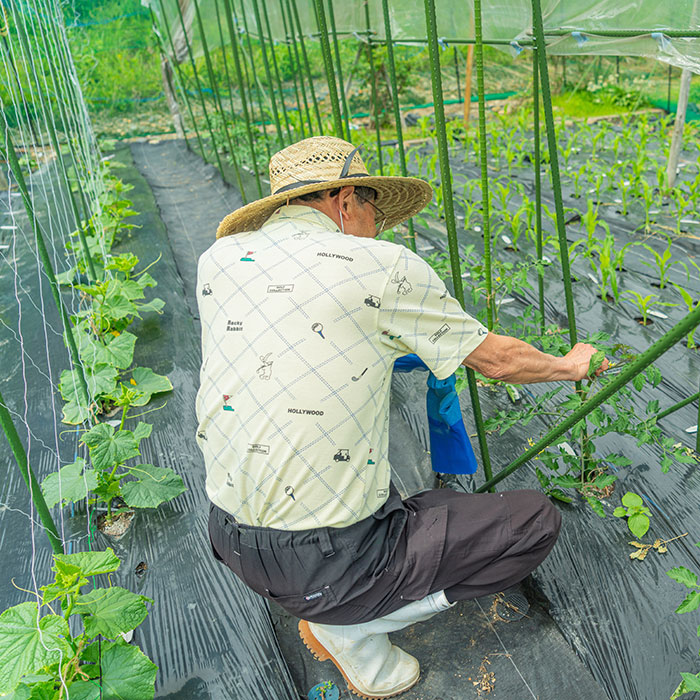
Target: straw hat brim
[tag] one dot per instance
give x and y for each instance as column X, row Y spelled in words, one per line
column 399, row 198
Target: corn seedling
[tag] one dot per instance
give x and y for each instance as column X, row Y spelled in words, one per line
column 644, row 304
column 663, row 263
column 690, row 304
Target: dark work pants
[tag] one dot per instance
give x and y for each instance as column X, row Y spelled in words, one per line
column 468, row 545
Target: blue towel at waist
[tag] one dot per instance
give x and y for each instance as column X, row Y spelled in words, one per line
column 450, row 449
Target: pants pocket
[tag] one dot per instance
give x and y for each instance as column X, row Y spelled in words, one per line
column 306, row 605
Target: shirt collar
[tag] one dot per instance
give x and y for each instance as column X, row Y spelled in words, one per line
column 299, row 213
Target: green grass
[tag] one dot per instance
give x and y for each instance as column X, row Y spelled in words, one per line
column 581, row 104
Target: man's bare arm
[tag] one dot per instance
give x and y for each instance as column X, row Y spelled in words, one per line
column 516, row 362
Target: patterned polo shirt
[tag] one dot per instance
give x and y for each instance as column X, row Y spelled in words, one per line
column 301, row 326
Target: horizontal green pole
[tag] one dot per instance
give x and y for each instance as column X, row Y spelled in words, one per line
column 652, row 353
column 678, row 406
column 446, row 42
column 29, row 479
column 624, row 33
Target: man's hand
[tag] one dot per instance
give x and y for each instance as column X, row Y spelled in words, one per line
column 580, row 357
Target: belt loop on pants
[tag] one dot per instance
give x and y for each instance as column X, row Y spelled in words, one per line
column 324, row 539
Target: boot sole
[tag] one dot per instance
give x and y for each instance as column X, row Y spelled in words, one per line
column 320, row 653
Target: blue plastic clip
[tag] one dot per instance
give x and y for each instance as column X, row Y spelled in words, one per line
column 516, row 47
column 662, row 40
column 580, row 38
column 443, row 43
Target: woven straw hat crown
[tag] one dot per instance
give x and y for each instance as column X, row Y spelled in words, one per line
column 324, row 163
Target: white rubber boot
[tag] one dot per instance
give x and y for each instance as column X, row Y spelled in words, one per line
column 372, row 666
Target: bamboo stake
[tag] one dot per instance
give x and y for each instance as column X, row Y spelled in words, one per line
column 339, row 64
column 468, row 84
column 678, row 125
column 297, row 66
column 328, row 64
column 446, row 179
column 373, row 78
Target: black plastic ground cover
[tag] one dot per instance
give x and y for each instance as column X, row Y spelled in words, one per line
column 210, row 636
column 529, row 658
column 617, row 613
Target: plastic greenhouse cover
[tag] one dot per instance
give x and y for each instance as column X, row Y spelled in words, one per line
column 503, row 20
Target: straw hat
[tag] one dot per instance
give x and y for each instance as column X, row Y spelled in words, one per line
column 324, row 163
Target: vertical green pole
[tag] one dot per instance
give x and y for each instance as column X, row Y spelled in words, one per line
column 554, row 164
column 294, row 66
column 483, row 159
column 21, row 31
column 446, row 179
column 307, row 66
column 459, row 87
column 199, row 86
column 373, row 78
column 276, row 69
column 328, row 64
column 339, row 64
column 697, row 433
column 397, row 110
column 7, row 149
column 297, row 66
column 242, row 89
column 180, row 77
column 268, row 74
column 29, row 479
column 538, row 184
column 217, row 104
column 255, row 82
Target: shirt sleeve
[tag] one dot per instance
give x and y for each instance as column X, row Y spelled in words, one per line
column 418, row 315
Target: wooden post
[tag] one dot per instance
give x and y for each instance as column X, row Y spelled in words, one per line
column 678, row 125
column 468, row 84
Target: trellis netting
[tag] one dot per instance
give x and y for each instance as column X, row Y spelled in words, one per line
column 664, row 31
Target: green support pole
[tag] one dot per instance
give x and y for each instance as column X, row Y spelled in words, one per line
column 307, row 67
column 639, row 364
column 218, row 106
column 373, row 79
column 268, row 74
column 397, row 110
column 677, row 406
column 255, row 81
column 294, row 64
column 328, row 65
column 54, row 142
column 242, row 89
column 697, row 432
column 339, row 64
column 275, row 68
column 538, row 185
column 541, row 50
column 7, row 150
column 180, row 77
column 199, row 87
column 29, row 479
column 446, row 180
column 483, row 160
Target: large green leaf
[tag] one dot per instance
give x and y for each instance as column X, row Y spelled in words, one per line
column 25, row 646
column 117, row 350
column 631, row 500
column 84, row 690
column 109, row 448
column 156, row 305
column 111, row 611
column 155, row 485
column 74, row 413
column 69, row 484
column 33, row 688
column 148, row 383
column 142, row 431
column 91, row 563
column 691, row 602
column 66, row 581
column 131, row 289
column 638, row 524
column 683, row 576
column 127, row 673
column 116, row 304
column 692, row 682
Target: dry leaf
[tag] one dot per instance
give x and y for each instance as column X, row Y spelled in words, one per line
column 662, row 549
column 640, row 554
column 656, row 544
column 638, row 545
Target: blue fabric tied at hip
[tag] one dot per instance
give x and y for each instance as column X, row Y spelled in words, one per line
column 450, row 449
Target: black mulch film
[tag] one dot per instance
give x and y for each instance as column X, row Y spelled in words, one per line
column 600, row 626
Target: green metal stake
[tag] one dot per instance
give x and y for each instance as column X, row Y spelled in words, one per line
column 538, row 185
column 297, row 66
column 218, row 105
column 307, row 67
column 276, row 70
column 397, row 110
column 483, row 159
column 54, row 142
column 294, row 66
column 242, row 90
column 446, row 179
column 339, row 64
column 29, row 479
column 554, row 164
column 199, row 86
column 7, row 149
column 639, row 364
column 180, row 77
column 677, row 406
column 697, row 431
column 373, row 78
column 328, row 64
column 268, row 74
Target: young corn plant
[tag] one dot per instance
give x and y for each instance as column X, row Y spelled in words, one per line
column 644, row 304
column 664, row 263
column 691, row 305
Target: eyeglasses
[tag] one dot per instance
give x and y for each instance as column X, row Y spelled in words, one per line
column 379, row 216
